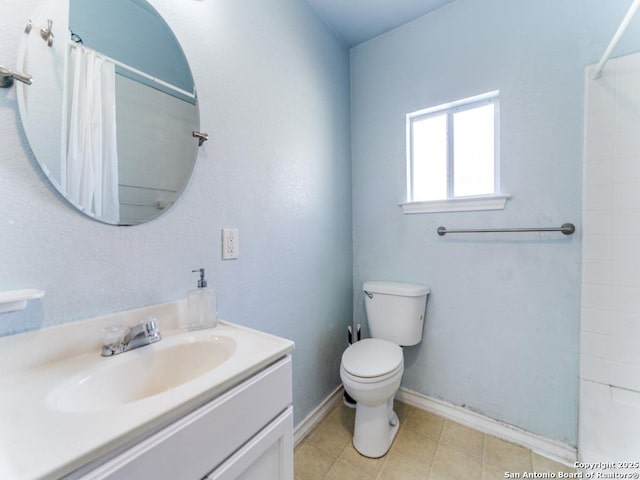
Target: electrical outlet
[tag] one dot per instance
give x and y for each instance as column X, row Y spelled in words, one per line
column 230, row 243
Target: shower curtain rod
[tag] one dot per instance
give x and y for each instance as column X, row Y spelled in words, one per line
column 616, row 38
column 139, row 72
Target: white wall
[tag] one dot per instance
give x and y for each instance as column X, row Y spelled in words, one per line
column 273, row 86
column 610, row 317
column 502, row 326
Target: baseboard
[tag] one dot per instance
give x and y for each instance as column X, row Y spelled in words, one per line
column 552, row 449
column 317, row 415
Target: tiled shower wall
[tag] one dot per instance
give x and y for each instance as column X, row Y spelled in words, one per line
column 610, row 314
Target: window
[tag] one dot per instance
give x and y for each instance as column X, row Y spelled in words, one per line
column 452, row 156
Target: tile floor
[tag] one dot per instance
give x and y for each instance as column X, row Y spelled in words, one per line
column 427, row 447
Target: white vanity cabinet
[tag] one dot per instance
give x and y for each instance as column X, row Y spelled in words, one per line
column 246, row 433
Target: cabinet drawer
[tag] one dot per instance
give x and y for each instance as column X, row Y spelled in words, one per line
column 197, row 443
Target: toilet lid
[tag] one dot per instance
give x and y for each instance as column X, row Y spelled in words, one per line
column 371, row 357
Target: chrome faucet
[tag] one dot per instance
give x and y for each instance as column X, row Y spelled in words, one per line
column 139, row 335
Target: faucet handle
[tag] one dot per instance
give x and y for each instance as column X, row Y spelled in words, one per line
column 112, row 335
column 150, row 326
column 151, row 331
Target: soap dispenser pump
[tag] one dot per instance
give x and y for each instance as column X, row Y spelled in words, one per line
column 202, row 305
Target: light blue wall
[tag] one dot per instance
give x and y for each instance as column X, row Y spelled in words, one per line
column 273, row 85
column 501, row 335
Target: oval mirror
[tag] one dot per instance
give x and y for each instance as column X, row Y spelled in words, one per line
column 112, row 110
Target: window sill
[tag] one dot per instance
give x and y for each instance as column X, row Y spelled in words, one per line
column 462, row 204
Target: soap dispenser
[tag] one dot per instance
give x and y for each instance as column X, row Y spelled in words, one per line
column 202, row 305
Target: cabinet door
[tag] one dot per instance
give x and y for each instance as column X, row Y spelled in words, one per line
column 267, row 456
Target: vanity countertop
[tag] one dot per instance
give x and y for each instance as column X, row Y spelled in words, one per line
column 39, row 439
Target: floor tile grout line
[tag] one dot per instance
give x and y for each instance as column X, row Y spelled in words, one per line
column 386, row 460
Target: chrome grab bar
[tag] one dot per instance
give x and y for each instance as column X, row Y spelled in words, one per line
column 566, row 228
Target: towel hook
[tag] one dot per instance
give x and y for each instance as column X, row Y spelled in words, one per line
column 7, row 76
column 201, row 136
column 47, row 33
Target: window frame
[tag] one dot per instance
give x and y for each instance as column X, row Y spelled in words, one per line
column 489, row 201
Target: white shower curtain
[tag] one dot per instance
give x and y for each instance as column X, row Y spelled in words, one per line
column 92, row 154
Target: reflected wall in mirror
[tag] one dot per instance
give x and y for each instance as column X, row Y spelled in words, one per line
column 112, row 108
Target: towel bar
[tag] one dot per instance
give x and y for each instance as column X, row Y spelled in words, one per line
column 566, row 228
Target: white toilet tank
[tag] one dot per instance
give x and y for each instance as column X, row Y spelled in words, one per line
column 395, row 311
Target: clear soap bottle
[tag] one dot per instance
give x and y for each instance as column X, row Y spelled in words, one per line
column 202, row 305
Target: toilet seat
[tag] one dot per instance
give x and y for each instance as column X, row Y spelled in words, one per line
column 372, row 360
column 370, row 380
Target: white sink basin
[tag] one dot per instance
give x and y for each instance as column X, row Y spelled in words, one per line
column 141, row 373
column 63, row 406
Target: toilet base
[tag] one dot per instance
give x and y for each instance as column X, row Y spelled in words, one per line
column 375, row 430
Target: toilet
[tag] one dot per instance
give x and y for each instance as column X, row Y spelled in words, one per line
column 371, row 369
